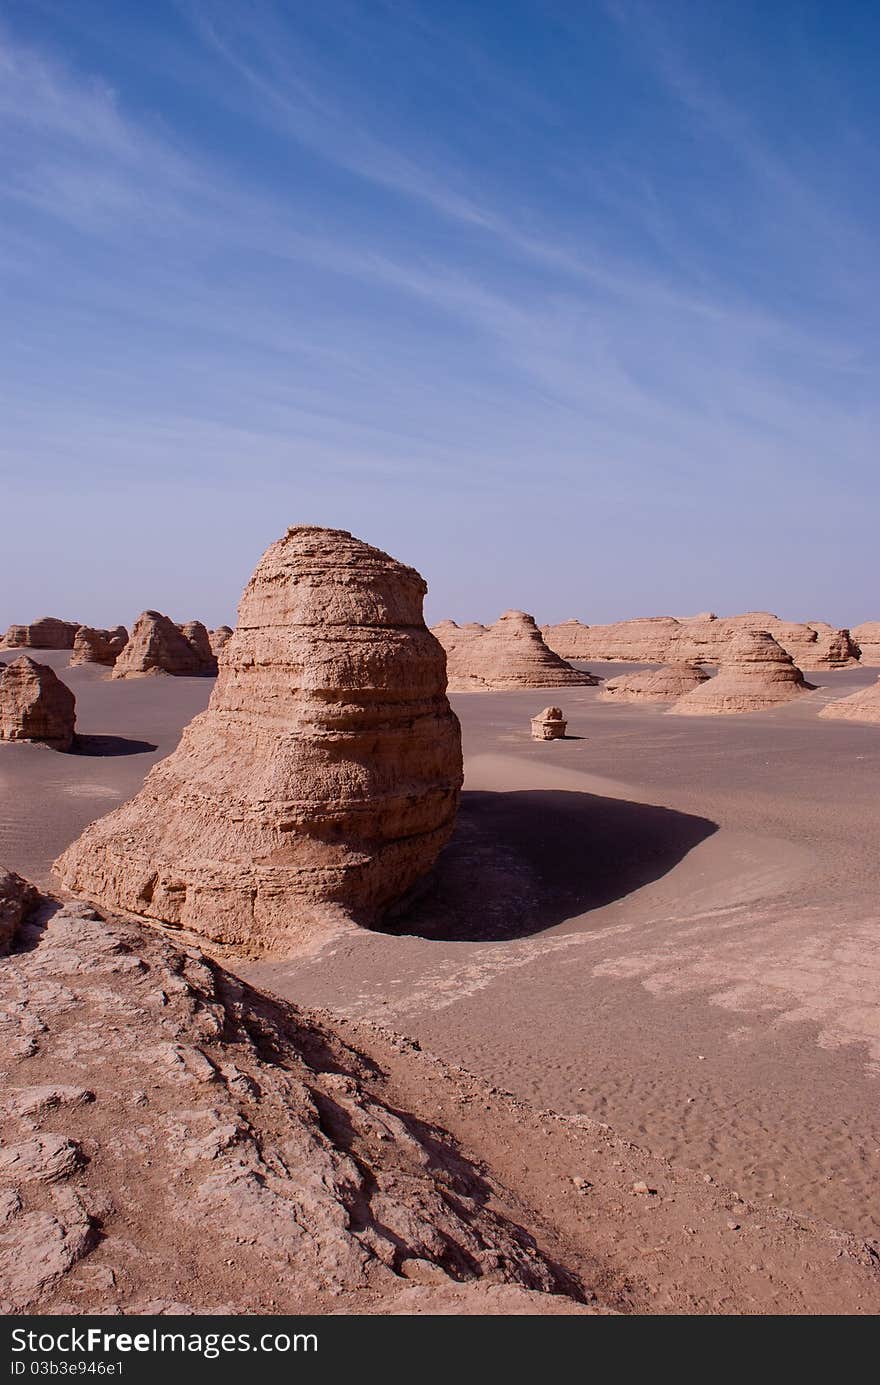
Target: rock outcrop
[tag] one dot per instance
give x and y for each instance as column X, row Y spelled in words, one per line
column 35, row 705
column 323, row 778
column 867, row 639
column 196, row 635
column 17, row 898
column 156, row 645
column 704, row 638
column 219, row 638
column 665, row 684
column 509, row 654
column 148, row 1095
column 756, row 674
column 91, row 646
column 862, row 705
column 549, row 725
column 45, row 633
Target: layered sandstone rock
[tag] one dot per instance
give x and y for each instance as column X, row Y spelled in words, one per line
column 757, row 674
column 322, row 780
column 91, row 646
column 549, row 725
column 17, row 898
column 219, row 638
column 509, row 654
column 35, row 705
column 665, row 684
column 45, row 633
column 867, row 638
column 704, row 638
column 157, row 645
column 196, row 635
column 863, row 705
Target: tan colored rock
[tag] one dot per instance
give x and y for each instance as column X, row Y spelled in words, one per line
column 91, row 646
column 509, row 654
column 191, row 1105
column 197, row 636
column 219, row 638
column 549, row 725
column 45, row 633
column 157, row 646
column 862, row 705
column 867, row 638
column 35, row 705
column 665, row 684
column 324, row 777
column 757, row 674
column 17, row 899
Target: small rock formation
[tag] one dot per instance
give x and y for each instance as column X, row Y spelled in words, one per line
column 17, row 898
column 45, row 633
column 91, row 646
column 665, row 684
column 324, row 777
column 549, row 725
column 862, row 705
column 146, row 1094
column 509, row 654
column 157, row 645
column 35, row 705
column 866, row 637
column 756, row 674
column 219, row 638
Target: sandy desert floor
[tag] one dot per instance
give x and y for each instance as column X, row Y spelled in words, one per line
column 670, row 925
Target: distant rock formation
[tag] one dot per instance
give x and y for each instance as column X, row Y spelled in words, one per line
column 549, row 725
column 509, row 654
column 156, row 645
column 324, row 777
column 698, row 639
column 45, row 633
column 862, row 705
column 665, row 684
column 92, row 646
column 756, row 674
column 867, row 638
column 219, row 638
column 35, row 705
column 196, row 634
column 17, row 898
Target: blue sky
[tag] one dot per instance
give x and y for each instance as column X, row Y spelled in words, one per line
column 574, row 306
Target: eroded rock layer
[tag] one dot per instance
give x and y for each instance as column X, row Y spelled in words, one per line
column 157, row 645
column 863, row 705
column 705, row 638
column 35, row 705
column 45, row 633
column 867, row 638
column 509, row 654
column 148, row 1097
column 91, row 646
column 323, row 778
column 664, row 684
column 757, row 674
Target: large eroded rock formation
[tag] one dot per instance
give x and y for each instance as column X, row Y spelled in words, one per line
column 324, row 776
column 35, row 705
column 867, row 638
column 92, row 646
column 45, row 633
column 509, row 654
column 157, row 645
column 757, row 674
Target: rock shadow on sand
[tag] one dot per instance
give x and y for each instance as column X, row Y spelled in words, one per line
column 111, row 745
column 525, row 861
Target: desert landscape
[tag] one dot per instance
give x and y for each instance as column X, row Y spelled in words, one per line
column 570, row 1010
